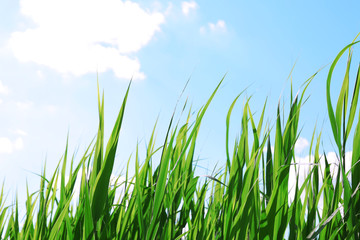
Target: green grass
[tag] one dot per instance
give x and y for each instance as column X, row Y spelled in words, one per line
column 247, row 199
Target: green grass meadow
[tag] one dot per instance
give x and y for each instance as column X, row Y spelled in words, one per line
column 248, row 198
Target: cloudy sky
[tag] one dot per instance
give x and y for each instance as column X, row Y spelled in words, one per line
column 52, row 51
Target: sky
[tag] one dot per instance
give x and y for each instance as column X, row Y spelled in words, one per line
column 53, row 52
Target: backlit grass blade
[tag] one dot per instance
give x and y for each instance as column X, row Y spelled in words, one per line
column 200, row 117
column 228, row 128
column 88, row 226
column 341, row 106
column 99, row 192
column 160, row 189
column 354, row 101
column 59, row 221
column 98, row 158
column 139, row 197
column 335, row 123
column 269, row 171
column 355, row 167
column 322, row 224
column 62, row 180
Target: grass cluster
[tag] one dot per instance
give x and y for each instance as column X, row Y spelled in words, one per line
column 247, row 199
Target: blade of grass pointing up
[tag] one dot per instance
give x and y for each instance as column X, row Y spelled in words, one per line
column 99, row 145
column 100, row 190
column 354, row 101
column 228, row 129
column 335, row 122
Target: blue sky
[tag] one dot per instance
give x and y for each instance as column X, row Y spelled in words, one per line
column 51, row 51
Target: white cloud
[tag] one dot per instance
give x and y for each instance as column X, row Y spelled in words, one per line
column 301, row 144
column 3, row 89
column 79, row 37
column 1, row 101
column 301, row 169
column 219, row 26
column 187, row 6
column 8, row 146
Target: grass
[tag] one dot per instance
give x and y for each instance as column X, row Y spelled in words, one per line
column 247, row 199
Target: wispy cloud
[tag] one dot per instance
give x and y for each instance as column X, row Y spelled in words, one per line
column 78, row 36
column 188, row 6
column 219, row 26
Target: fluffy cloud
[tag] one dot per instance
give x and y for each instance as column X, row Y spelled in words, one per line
column 8, row 146
column 219, row 26
column 78, row 36
column 187, row 6
column 300, row 145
